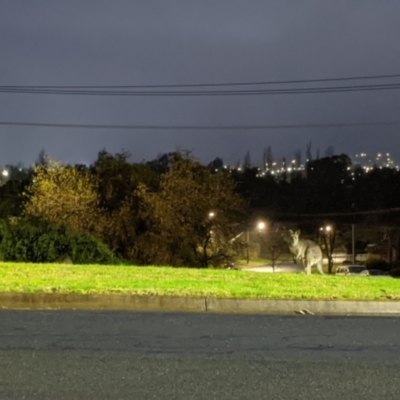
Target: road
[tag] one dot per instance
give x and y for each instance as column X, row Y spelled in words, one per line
column 130, row 355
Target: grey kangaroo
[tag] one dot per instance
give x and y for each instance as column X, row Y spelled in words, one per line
column 307, row 251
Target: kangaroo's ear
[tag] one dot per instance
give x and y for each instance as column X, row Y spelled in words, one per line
column 298, row 232
column 290, row 231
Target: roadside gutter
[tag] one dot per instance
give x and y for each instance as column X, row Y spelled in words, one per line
column 121, row 302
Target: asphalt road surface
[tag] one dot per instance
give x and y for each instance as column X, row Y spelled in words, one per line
column 129, row 355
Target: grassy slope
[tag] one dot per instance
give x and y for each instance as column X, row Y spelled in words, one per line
column 48, row 278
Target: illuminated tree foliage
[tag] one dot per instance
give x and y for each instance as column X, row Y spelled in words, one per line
column 189, row 219
column 64, row 195
column 118, row 180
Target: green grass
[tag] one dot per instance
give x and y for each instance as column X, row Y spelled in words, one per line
column 51, row 278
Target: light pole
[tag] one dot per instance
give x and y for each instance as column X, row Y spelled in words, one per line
column 260, row 227
column 247, row 244
column 328, row 234
column 353, row 241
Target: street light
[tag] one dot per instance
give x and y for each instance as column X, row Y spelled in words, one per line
column 261, row 226
column 328, row 234
column 327, row 228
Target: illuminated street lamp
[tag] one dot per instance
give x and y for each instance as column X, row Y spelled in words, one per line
column 328, row 235
column 4, row 172
column 261, row 226
column 211, row 214
column 327, row 229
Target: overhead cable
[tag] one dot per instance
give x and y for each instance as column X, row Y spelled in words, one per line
column 276, row 82
column 201, row 128
column 242, row 92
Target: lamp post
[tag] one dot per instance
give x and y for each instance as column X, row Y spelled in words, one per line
column 353, row 241
column 247, row 243
column 329, row 236
column 260, row 227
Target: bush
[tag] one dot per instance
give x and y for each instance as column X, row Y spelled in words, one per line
column 85, row 249
column 35, row 240
column 378, row 264
column 395, row 273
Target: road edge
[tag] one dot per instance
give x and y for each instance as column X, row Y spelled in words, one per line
column 123, row 302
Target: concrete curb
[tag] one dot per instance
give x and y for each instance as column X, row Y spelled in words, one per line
column 49, row 301
column 37, row 301
column 339, row 307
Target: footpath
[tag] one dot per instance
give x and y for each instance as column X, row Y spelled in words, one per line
column 116, row 302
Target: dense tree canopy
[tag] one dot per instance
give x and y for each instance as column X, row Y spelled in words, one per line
column 159, row 211
column 190, row 218
column 64, row 194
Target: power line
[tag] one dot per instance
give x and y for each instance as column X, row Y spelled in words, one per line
column 202, row 128
column 278, row 82
column 247, row 92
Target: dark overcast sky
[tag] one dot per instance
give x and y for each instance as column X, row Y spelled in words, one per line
column 134, row 42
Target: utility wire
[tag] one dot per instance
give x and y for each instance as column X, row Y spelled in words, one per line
column 202, row 128
column 203, row 84
column 332, row 89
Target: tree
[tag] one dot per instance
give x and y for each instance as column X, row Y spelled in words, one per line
column 247, row 161
column 117, row 179
column 63, row 194
column 327, row 236
column 274, row 246
column 42, row 158
column 327, row 187
column 188, row 221
column 11, row 201
column 308, row 151
column 329, row 151
column 297, row 157
column 267, row 159
column 163, row 162
column 216, row 165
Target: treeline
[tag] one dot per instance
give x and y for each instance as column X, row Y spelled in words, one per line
column 328, row 185
column 174, row 210
column 170, row 211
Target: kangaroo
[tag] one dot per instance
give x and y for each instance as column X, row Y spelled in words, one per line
column 307, row 251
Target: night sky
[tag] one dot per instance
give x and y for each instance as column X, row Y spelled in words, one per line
column 149, row 42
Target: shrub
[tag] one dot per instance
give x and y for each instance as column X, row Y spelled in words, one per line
column 85, row 249
column 35, row 240
column 378, row 264
column 395, row 273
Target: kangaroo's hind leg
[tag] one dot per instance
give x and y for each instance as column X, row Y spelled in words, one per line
column 307, row 265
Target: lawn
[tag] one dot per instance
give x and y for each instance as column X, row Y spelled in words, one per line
column 56, row 278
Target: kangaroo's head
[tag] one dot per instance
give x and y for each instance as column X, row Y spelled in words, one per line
column 294, row 237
